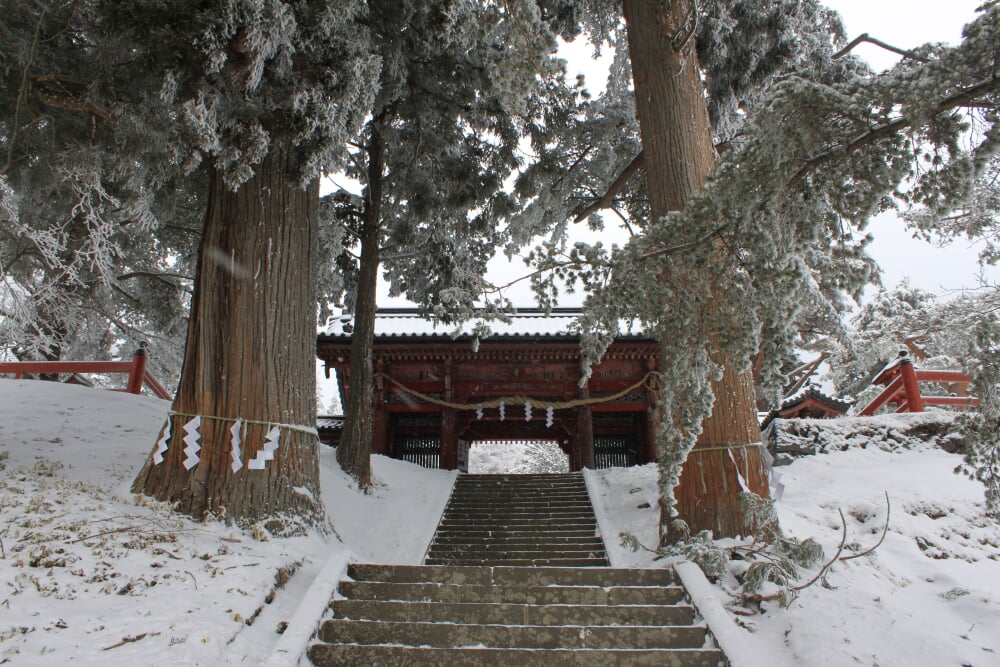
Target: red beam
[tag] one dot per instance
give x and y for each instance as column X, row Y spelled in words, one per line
column 888, row 394
column 943, row 376
column 154, row 386
column 960, row 401
column 19, row 367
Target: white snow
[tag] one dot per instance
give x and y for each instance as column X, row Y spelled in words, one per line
column 929, row 596
column 90, row 574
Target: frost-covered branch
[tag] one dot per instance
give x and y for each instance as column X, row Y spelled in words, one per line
column 962, row 98
column 865, row 37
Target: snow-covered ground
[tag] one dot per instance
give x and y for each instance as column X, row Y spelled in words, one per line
column 89, row 574
column 929, row 596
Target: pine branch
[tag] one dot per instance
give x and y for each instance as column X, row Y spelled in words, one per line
column 496, row 289
column 885, row 530
column 865, row 37
column 608, row 198
column 161, row 276
column 53, row 92
column 959, row 99
column 690, row 244
column 22, row 94
column 836, row 556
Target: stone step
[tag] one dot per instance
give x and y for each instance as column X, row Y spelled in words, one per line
column 486, row 502
column 507, row 557
column 542, row 547
column 498, row 533
column 520, row 526
column 459, row 549
column 559, row 523
column 534, row 491
column 540, row 538
column 555, row 520
column 511, row 576
column 505, row 613
column 541, row 476
column 331, row 655
column 566, row 595
column 518, row 562
column 521, row 490
column 553, row 511
column 473, row 505
column 338, row 631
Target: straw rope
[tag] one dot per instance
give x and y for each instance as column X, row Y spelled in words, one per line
column 311, row 430
column 649, row 381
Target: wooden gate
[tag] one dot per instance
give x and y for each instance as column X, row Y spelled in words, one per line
column 423, row 450
column 613, row 451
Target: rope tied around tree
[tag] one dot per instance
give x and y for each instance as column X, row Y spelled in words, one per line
column 650, row 381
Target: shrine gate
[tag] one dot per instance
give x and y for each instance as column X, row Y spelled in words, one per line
column 435, row 394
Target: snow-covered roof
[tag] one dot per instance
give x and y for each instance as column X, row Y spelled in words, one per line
column 332, row 423
column 807, row 393
column 533, row 322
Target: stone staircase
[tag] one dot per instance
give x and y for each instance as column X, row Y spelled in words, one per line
column 516, row 575
column 478, row 615
column 530, row 520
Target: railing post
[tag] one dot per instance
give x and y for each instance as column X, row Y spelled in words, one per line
column 138, row 372
column 914, row 402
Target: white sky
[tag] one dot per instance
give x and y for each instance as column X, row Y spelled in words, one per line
column 905, row 25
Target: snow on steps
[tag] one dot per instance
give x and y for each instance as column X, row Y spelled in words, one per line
column 543, row 519
column 483, row 615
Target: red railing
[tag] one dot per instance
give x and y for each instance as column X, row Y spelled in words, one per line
column 138, row 376
column 902, row 389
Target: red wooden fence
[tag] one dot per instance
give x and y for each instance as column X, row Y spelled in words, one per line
column 136, row 369
column 902, row 382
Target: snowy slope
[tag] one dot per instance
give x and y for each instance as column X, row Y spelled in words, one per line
column 928, row 597
column 91, row 575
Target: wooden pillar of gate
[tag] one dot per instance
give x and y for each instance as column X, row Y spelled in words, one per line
column 649, row 453
column 378, row 411
column 585, row 433
column 449, row 424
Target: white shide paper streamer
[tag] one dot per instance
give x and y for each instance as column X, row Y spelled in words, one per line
column 266, row 452
column 235, row 442
column 192, row 447
column 161, row 444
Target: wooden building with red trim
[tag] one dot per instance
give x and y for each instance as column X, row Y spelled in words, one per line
column 436, row 394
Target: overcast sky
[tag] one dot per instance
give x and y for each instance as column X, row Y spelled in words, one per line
column 906, row 24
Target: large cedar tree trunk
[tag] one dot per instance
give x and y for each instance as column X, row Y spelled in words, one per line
column 677, row 144
column 355, row 448
column 250, row 354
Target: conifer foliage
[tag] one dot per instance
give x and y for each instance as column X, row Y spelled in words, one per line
column 249, row 103
column 460, row 85
column 779, row 229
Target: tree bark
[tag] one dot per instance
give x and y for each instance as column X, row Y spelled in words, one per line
column 678, row 155
column 355, row 448
column 250, row 354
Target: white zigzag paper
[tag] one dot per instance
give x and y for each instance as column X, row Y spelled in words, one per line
column 527, row 411
column 235, row 440
column 549, row 416
column 161, row 444
column 192, row 447
column 266, row 453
